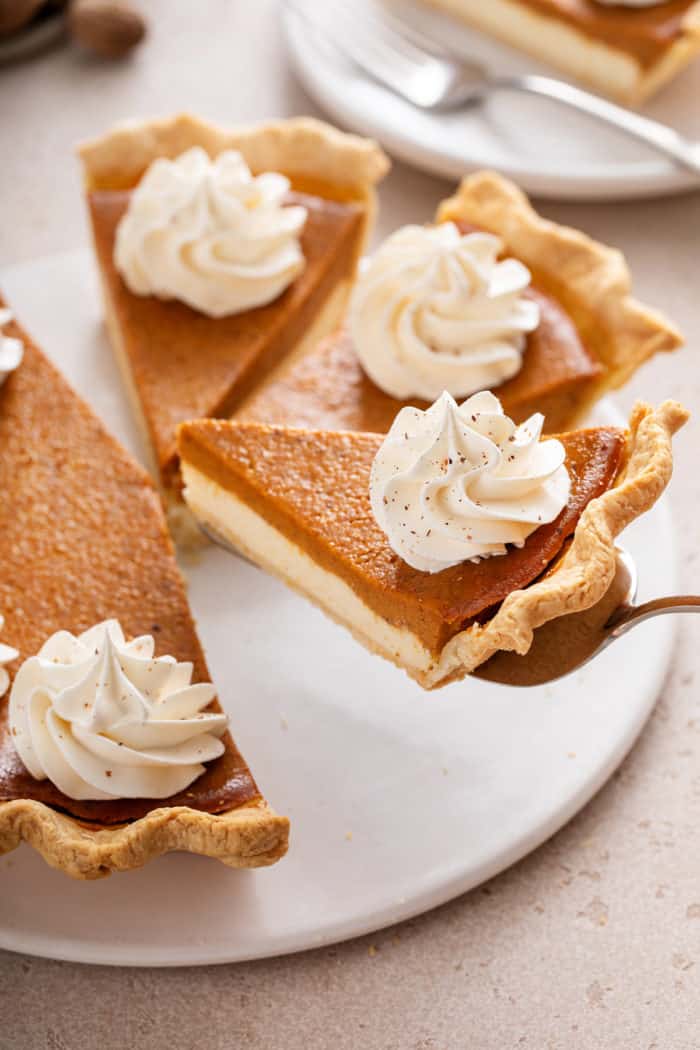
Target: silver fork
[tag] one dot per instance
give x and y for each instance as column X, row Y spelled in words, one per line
column 432, row 79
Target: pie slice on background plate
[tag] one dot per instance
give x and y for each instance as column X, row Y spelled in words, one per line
column 178, row 362
column 623, row 49
column 591, row 337
column 297, row 502
column 83, row 540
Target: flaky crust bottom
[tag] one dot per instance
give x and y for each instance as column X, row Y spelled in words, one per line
column 251, row 836
column 588, row 568
column 589, row 279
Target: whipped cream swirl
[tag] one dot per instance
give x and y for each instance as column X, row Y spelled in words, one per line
column 103, row 718
column 459, row 483
column 436, row 310
column 7, row 654
column 11, row 349
column 210, row 234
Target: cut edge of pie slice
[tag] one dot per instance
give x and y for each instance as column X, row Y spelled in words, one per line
column 316, row 157
column 226, row 489
column 600, row 63
column 74, row 487
column 590, row 280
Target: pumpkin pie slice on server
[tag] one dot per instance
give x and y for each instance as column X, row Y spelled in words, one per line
column 113, row 746
column 454, row 537
column 491, row 297
column 222, row 251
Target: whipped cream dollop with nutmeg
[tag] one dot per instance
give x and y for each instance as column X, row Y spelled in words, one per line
column 211, row 234
column 437, row 310
column 11, row 349
column 460, row 482
column 7, row 653
column 103, row 718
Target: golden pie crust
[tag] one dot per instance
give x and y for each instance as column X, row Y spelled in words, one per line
column 587, row 569
column 249, row 837
column 308, row 151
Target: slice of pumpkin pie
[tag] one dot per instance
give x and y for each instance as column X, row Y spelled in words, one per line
column 222, row 252
column 113, row 746
column 451, row 538
column 492, row 296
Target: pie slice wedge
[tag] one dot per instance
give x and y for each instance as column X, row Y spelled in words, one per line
column 591, row 338
column 627, row 51
column 179, row 363
column 296, row 502
column 83, row 539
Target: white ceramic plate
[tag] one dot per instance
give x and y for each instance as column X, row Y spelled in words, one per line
column 549, row 150
column 399, row 799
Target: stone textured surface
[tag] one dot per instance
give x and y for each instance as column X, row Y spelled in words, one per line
column 594, row 940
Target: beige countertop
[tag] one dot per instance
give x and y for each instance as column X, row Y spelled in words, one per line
column 594, row 940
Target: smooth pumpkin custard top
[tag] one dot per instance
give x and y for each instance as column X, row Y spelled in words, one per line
column 83, row 539
column 313, row 487
column 644, row 32
column 329, row 389
column 186, row 365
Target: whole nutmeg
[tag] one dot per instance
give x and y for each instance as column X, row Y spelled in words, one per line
column 110, row 28
column 16, row 13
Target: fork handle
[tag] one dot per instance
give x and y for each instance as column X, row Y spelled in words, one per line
column 680, row 149
column 628, row 616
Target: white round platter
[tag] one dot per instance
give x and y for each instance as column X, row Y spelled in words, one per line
column 399, row 799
